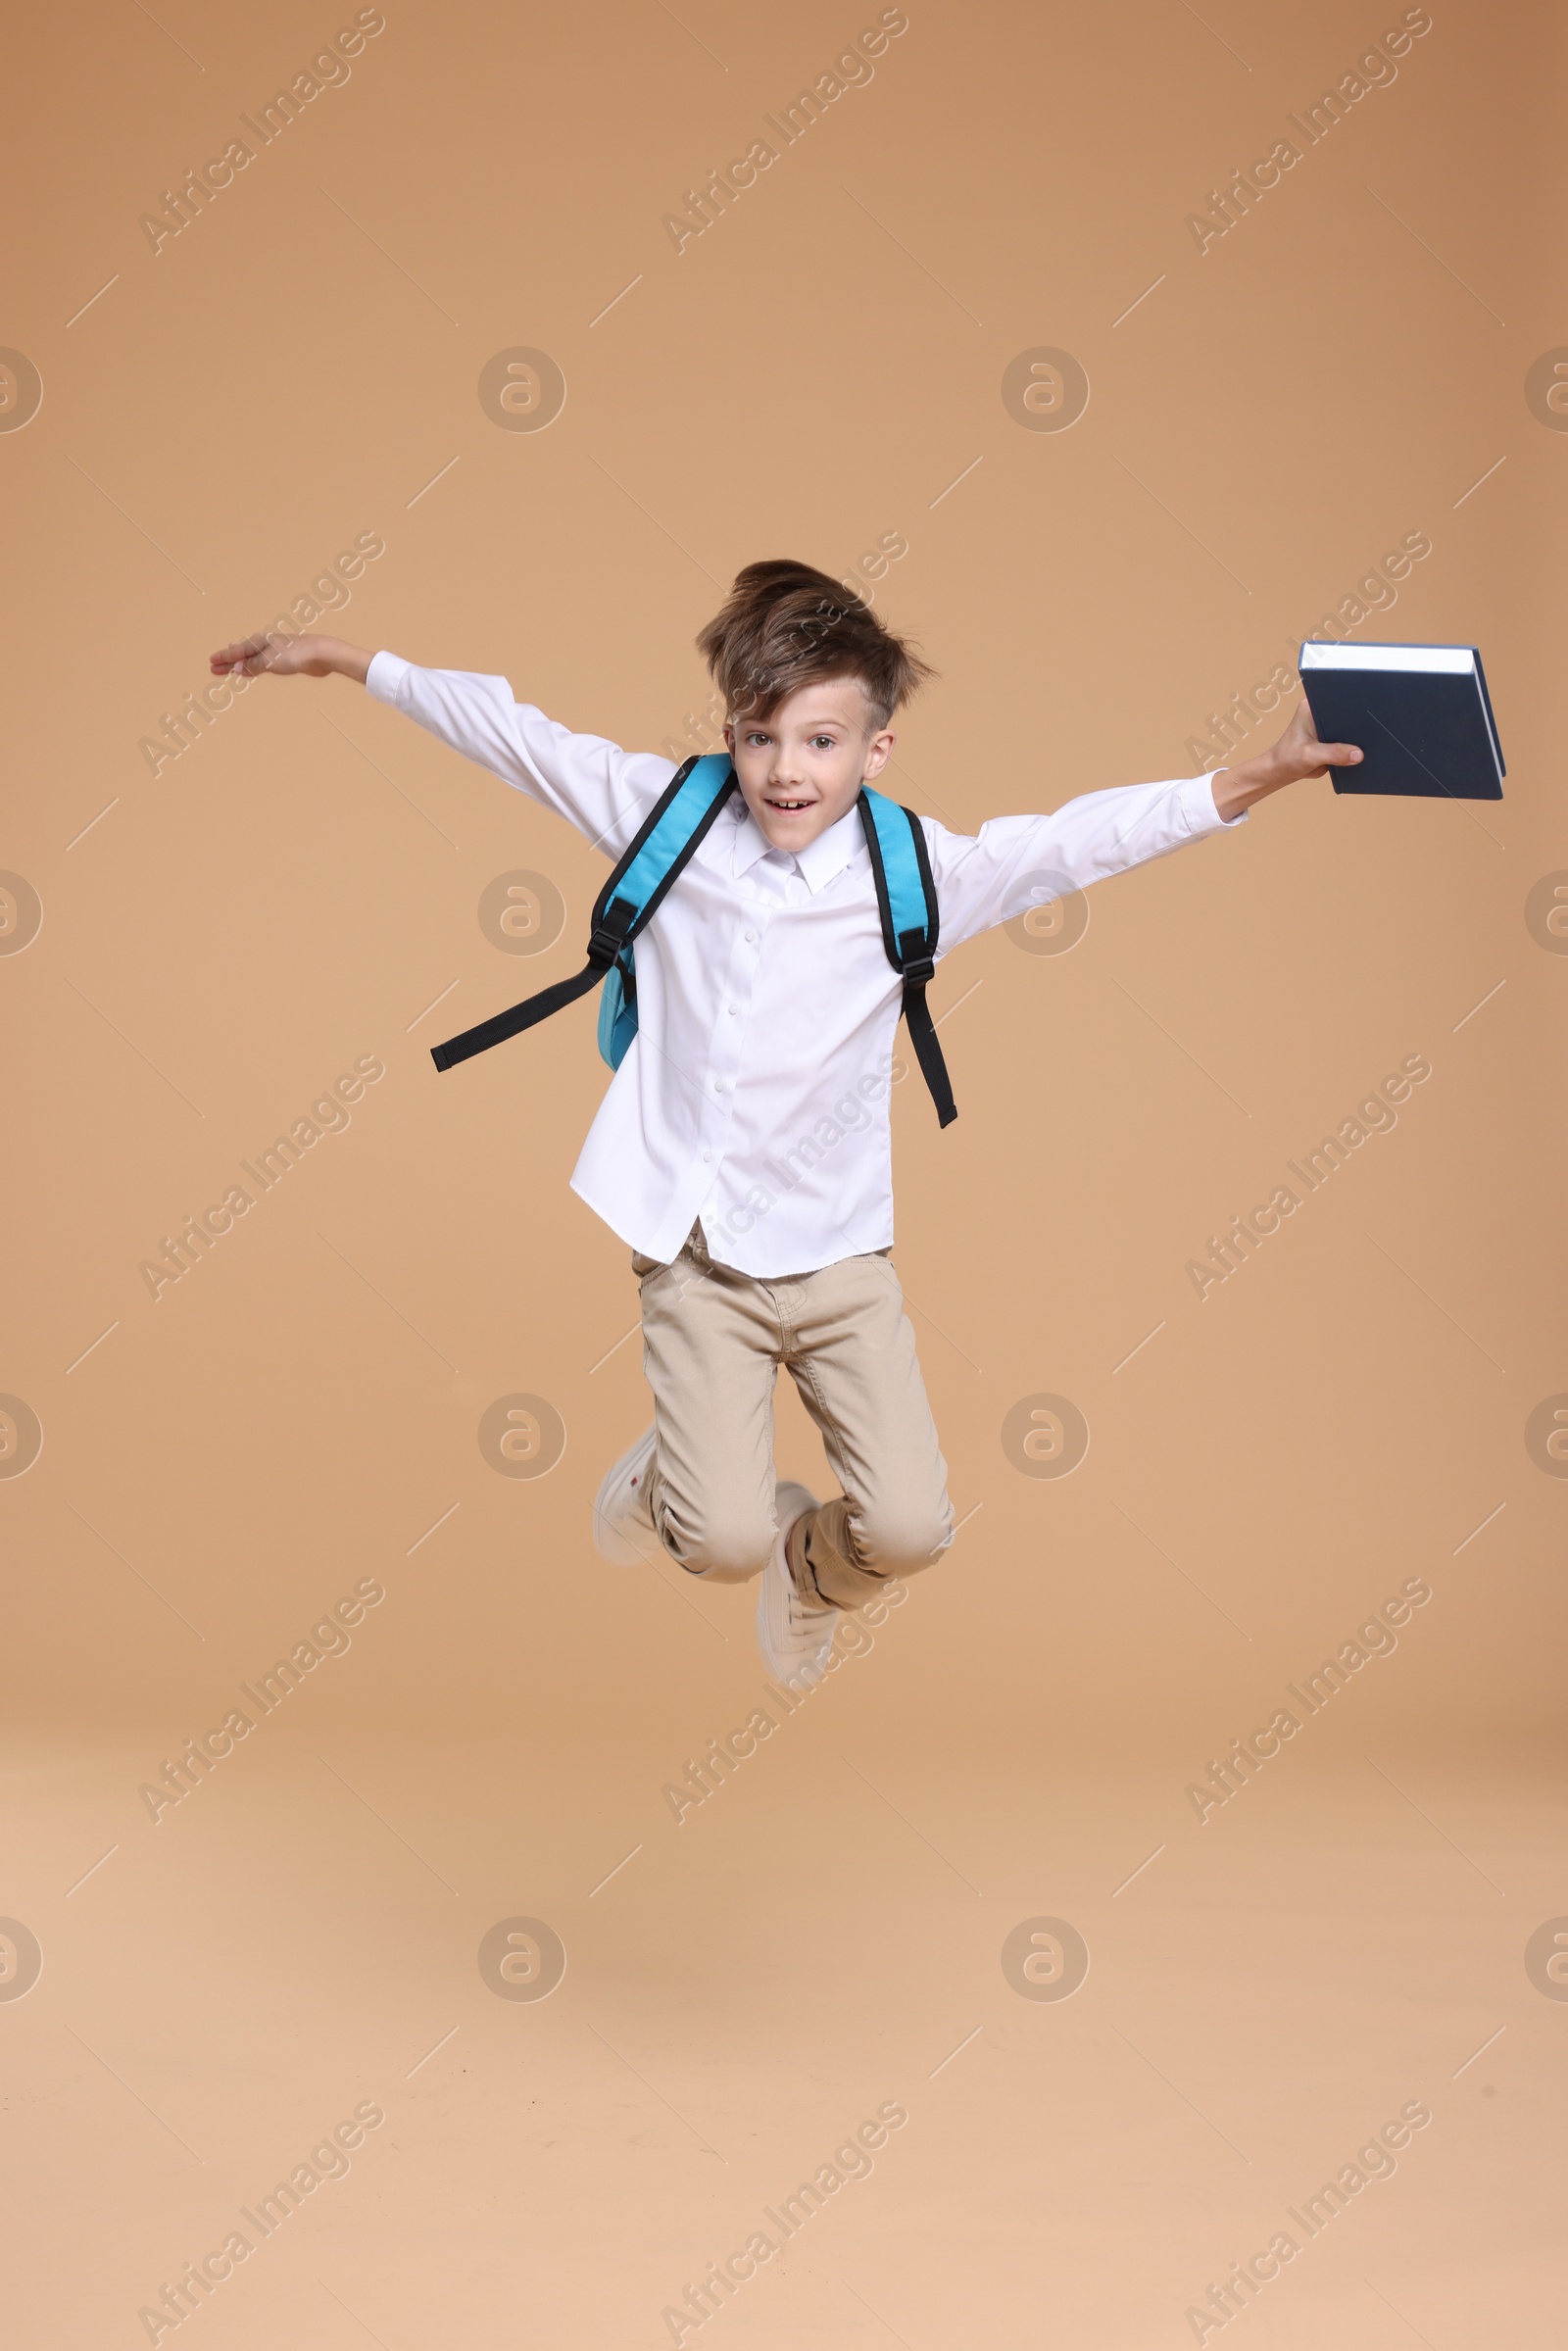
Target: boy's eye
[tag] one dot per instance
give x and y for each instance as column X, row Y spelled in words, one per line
column 824, row 742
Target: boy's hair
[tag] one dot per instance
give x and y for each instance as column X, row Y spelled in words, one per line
column 787, row 626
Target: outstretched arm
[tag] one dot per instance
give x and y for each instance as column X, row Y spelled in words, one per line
column 600, row 789
column 1297, row 754
column 1016, row 863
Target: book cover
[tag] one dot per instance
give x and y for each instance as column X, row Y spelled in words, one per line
column 1420, row 713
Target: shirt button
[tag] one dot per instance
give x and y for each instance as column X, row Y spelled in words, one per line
column 751, row 938
column 732, row 1009
column 718, row 1085
column 707, row 1158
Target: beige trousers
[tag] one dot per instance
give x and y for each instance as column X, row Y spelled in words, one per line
column 713, row 1341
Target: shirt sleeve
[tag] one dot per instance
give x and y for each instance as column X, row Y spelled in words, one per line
column 1015, row 862
column 604, row 791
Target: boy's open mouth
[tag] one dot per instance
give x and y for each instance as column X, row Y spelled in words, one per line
column 788, row 807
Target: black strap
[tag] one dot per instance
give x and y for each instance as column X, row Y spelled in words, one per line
column 913, row 956
column 607, row 942
column 615, row 923
column 503, row 1025
column 918, row 968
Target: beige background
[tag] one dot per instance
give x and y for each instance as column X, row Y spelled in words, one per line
column 818, row 369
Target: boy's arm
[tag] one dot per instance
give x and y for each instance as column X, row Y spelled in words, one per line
column 1016, row 863
column 600, row 789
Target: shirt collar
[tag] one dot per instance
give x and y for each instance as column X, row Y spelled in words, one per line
column 819, row 862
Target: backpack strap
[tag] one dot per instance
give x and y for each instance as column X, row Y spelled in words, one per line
column 663, row 844
column 907, row 899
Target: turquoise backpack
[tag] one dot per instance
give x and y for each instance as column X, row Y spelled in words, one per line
column 905, row 897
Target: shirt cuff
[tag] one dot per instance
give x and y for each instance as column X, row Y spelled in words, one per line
column 385, row 675
column 1198, row 809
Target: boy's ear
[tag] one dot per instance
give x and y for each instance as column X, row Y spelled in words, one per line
column 878, row 751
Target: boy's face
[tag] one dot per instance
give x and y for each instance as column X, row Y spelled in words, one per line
column 802, row 767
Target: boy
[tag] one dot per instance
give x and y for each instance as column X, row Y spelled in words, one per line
column 743, row 1149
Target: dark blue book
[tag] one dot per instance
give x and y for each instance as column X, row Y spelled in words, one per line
column 1420, row 713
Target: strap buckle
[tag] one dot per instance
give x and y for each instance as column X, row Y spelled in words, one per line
column 609, row 937
column 916, row 963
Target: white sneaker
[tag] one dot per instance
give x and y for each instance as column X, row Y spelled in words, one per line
column 623, row 1531
column 794, row 1639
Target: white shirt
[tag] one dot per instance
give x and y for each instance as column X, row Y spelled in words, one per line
column 754, row 1095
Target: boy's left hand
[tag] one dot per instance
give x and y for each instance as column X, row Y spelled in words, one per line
column 1297, row 754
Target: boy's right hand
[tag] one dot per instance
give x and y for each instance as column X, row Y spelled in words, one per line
column 275, row 652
